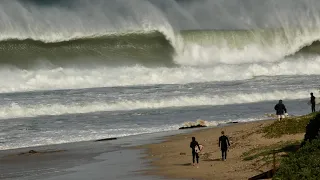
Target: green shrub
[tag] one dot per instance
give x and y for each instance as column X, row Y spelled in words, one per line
column 267, row 151
column 291, row 125
column 302, row 165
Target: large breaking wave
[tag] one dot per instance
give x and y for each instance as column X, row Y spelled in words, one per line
column 149, row 48
column 154, row 48
column 80, row 44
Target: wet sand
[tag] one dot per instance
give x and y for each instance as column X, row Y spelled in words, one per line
column 75, row 161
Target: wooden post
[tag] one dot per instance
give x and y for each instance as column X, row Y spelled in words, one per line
column 274, row 162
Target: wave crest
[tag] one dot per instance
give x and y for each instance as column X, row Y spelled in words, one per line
column 148, row 48
column 216, row 47
column 154, row 48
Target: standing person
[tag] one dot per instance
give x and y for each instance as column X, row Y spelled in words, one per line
column 224, row 144
column 195, row 154
column 280, row 110
column 313, row 102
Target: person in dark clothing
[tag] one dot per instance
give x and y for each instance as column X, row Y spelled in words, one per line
column 313, row 103
column 280, row 110
column 224, row 144
column 193, row 146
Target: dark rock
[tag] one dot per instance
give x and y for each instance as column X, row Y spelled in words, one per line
column 106, row 139
column 197, row 126
column 233, row 122
column 32, row 152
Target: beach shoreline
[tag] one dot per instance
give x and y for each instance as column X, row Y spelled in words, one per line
column 171, row 158
column 113, row 159
column 165, row 155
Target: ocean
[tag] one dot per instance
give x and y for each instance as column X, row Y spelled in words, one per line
column 78, row 70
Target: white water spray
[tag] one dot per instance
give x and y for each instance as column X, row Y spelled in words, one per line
column 214, row 60
column 16, row 110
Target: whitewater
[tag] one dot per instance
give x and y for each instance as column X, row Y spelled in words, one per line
column 76, row 70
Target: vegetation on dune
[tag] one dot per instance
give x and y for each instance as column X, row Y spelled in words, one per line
column 291, row 125
column 302, row 165
column 296, row 162
column 266, row 152
column 263, row 156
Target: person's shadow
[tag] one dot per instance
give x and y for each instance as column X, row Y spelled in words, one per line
column 185, row 164
column 217, row 159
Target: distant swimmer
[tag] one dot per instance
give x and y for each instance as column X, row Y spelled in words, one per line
column 224, row 145
column 280, row 110
column 313, row 103
column 195, row 154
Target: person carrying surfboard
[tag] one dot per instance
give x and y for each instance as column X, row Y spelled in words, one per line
column 313, row 102
column 224, row 144
column 281, row 110
column 194, row 145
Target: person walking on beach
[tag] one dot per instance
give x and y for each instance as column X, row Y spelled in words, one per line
column 195, row 154
column 224, row 144
column 313, row 103
column 281, row 110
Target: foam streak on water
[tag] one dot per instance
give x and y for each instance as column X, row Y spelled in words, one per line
column 154, row 97
column 13, row 79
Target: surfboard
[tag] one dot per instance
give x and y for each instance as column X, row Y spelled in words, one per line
column 197, row 148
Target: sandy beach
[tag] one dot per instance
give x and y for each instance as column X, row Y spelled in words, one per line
column 172, row 158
